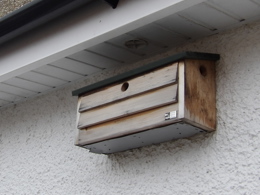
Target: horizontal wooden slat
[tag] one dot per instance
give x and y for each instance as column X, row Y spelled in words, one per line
column 146, row 101
column 144, row 138
column 127, row 125
column 138, row 85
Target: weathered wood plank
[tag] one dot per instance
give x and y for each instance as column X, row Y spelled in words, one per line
column 200, row 93
column 127, row 125
column 181, row 89
column 140, row 84
column 140, row 103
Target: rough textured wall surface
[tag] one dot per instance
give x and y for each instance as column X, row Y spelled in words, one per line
column 8, row 6
column 38, row 155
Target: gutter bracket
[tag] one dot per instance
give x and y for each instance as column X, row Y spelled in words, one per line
column 112, row 3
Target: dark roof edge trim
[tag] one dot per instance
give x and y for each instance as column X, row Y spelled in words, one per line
column 34, row 14
column 112, row 3
column 146, row 68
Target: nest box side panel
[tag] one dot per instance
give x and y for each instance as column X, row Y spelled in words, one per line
column 200, row 93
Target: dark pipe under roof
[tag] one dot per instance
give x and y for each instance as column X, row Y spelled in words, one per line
column 36, row 13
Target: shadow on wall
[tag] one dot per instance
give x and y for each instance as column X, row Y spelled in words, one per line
column 176, row 153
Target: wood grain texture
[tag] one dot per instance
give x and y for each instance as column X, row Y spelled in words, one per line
column 181, row 89
column 127, row 125
column 140, row 103
column 138, row 85
column 200, row 93
column 77, row 122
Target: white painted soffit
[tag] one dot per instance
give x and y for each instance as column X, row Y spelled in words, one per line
column 87, row 27
column 93, row 38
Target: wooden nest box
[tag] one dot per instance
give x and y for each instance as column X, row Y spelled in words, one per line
column 169, row 99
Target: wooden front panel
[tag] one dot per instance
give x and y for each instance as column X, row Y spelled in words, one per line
column 145, row 101
column 127, row 125
column 132, row 87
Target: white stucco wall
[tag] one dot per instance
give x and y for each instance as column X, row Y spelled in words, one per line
column 37, row 155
